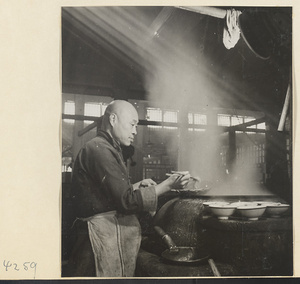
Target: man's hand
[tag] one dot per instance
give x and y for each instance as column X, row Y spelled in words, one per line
column 175, row 180
column 147, row 182
column 179, row 180
column 144, row 183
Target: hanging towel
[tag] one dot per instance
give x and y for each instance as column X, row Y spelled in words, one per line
column 231, row 32
column 115, row 241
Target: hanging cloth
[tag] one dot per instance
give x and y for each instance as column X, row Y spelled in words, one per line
column 115, row 241
column 231, row 32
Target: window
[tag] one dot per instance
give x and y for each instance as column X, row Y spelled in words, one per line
column 251, row 154
column 248, row 119
column 231, row 120
column 224, row 120
column 69, row 108
column 154, row 114
column 157, row 114
column 170, row 116
column 103, row 108
column 261, row 126
column 236, row 120
column 93, row 109
column 198, row 119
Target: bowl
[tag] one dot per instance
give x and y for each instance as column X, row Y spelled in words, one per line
column 243, row 203
column 267, row 203
column 252, row 212
column 220, row 203
column 222, row 211
column 208, row 203
column 277, row 210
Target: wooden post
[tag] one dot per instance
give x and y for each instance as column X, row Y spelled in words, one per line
column 231, row 158
column 285, row 109
column 136, row 172
column 183, row 152
column 210, row 11
column 78, row 125
column 277, row 179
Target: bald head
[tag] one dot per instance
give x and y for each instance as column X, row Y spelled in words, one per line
column 120, row 121
column 120, row 107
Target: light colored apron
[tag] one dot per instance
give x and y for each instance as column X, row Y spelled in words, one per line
column 115, row 241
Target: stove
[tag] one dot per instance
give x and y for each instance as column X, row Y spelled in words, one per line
column 239, row 247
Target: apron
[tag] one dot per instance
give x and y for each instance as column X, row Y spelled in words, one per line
column 115, row 241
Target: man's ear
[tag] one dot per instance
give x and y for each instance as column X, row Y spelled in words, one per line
column 112, row 119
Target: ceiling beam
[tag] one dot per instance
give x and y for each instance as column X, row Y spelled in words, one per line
column 159, row 21
column 243, row 126
column 145, row 122
column 209, row 11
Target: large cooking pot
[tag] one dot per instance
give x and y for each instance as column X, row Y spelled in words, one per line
column 181, row 220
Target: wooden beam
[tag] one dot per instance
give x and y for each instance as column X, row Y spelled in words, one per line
column 210, row 11
column 79, row 117
column 231, row 158
column 174, row 124
column 87, row 128
column 243, row 126
column 159, row 21
column 159, row 123
column 285, row 109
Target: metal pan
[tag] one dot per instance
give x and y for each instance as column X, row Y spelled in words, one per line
column 179, row 254
column 184, row 254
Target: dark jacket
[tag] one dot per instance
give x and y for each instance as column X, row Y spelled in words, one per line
column 100, row 181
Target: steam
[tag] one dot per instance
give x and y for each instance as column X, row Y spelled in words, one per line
column 243, row 180
column 178, row 76
column 183, row 80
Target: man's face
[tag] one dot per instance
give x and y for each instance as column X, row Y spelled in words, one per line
column 125, row 127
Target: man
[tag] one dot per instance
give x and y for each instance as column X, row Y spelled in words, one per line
column 109, row 233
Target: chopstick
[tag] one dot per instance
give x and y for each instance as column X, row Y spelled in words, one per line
column 168, row 175
column 178, row 178
column 178, row 173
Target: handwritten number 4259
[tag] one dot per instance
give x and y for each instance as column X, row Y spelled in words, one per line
column 26, row 265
